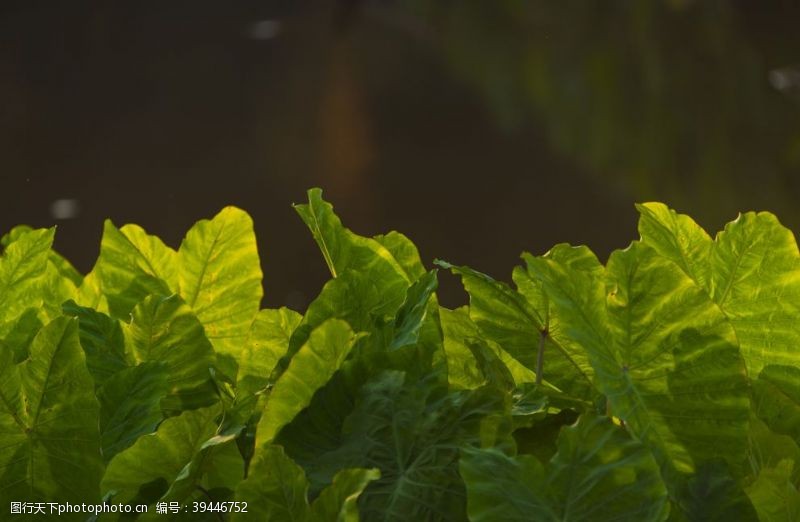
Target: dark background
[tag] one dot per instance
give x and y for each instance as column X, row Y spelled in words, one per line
column 479, row 129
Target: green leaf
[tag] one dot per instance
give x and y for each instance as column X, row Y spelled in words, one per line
column 220, row 278
column 711, row 494
column 267, row 342
column 18, row 334
column 159, row 458
column 339, row 501
column 678, row 238
column 312, row 367
column 505, row 317
column 102, row 341
column 768, row 449
column 130, row 405
column 412, row 314
column 412, row 432
column 217, row 465
column 23, row 270
column 276, row 490
column 776, row 399
column 165, row 330
column 598, row 473
column 49, row 441
column 360, row 300
column 774, row 495
column 458, row 329
column 133, row 265
column 62, row 267
column 664, row 355
column 751, row 270
column 405, row 252
column 345, row 250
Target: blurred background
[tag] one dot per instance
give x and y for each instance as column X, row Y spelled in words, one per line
column 479, row 129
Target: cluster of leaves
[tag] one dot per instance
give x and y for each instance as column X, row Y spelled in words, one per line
column 663, row 385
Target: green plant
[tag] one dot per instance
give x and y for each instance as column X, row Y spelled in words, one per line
column 663, row 384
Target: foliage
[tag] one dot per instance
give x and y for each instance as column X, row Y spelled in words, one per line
column 661, row 385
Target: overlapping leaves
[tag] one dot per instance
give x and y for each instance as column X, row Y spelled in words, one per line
column 663, row 384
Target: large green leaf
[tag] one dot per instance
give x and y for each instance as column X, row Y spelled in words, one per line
column 131, row 266
column 220, row 278
column 312, row 367
column 507, row 318
column 357, row 298
column 411, row 315
column 266, row 343
column 405, row 252
column 712, row 495
column 598, row 473
column 157, row 459
column 102, row 340
column 776, row 399
column 461, row 338
column 342, row 249
column 751, row 270
column 774, row 495
column 410, row 430
column 217, row 465
column 18, row 334
column 664, row 355
column 130, row 405
column 23, row 270
column 166, row 331
column 49, row 439
column 458, row 329
column 276, row 490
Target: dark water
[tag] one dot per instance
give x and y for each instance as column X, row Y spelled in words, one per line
column 479, row 129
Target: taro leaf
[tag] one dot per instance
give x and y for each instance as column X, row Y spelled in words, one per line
column 405, row 252
column 712, row 495
column 411, row 315
column 598, row 473
column 458, row 328
column 312, row 367
column 133, row 265
column 750, row 270
column 774, row 495
column 412, row 432
column 768, row 449
column 276, row 490
column 505, row 317
column 776, row 395
column 102, row 341
column 158, row 458
column 220, row 279
column 343, row 250
column 13, row 234
column 679, row 238
column 494, row 371
column 50, row 444
column 165, row 330
column 19, row 333
column 339, row 501
column 374, row 285
column 130, row 405
column 459, row 333
column 216, row 465
column 23, row 270
column 357, row 298
column 663, row 353
column 266, row 343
